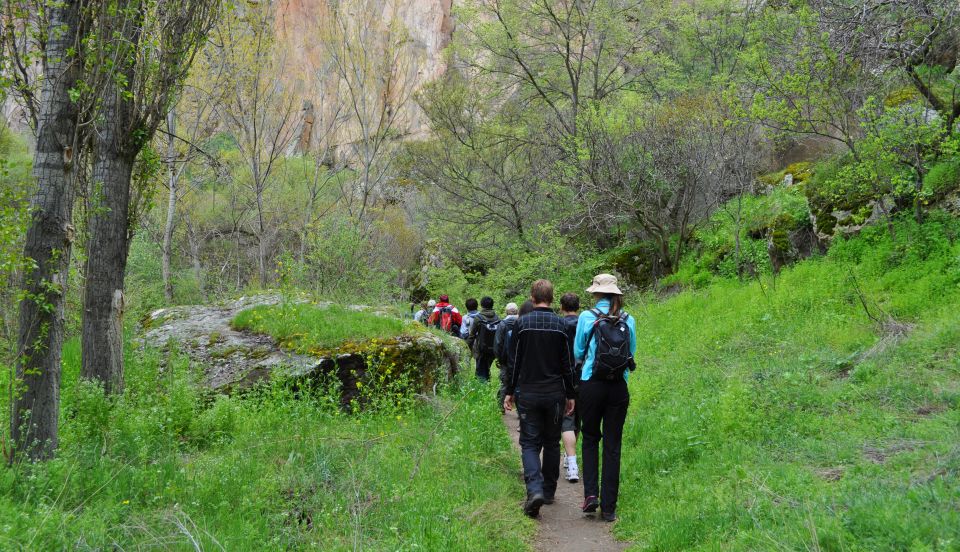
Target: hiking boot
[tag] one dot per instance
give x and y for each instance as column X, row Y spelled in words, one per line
column 591, row 504
column 573, row 474
column 533, row 504
column 548, row 500
column 609, row 517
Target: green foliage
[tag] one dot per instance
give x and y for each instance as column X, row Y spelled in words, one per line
column 306, row 327
column 167, row 463
column 941, row 179
column 773, row 215
column 777, row 415
column 16, row 183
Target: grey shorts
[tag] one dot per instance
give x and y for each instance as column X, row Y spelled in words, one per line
column 570, row 423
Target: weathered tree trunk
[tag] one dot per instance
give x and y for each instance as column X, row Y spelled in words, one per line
column 173, row 177
column 102, row 328
column 36, row 402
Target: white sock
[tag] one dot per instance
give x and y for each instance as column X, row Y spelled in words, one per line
column 572, row 461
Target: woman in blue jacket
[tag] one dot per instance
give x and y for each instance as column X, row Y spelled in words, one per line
column 603, row 401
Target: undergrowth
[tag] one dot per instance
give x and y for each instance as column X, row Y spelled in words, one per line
column 167, row 466
column 784, row 414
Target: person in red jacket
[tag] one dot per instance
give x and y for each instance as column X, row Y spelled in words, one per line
column 446, row 317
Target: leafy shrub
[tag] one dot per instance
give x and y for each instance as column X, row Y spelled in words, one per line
column 942, row 178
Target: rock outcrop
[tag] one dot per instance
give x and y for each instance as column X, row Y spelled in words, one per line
column 234, row 361
column 300, row 25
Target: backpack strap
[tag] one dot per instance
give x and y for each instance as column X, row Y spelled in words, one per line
column 599, row 314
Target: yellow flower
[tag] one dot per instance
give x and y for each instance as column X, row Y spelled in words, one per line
column 125, row 502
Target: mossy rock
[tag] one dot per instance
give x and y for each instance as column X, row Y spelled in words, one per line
column 636, row 264
column 365, row 371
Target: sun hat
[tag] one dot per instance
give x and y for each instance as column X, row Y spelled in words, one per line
column 511, row 308
column 431, row 303
column 604, row 283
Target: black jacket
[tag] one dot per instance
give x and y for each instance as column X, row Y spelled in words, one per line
column 483, row 317
column 501, row 345
column 541, row 361
column 570, row 322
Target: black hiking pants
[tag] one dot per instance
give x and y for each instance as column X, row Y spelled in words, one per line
column 540, row 416
column 603, row 410
column 484, row 362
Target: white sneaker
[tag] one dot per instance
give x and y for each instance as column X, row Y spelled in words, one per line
column 573, row 474
column 566, row 461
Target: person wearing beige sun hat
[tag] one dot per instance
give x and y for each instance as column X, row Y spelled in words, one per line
column 606, row 341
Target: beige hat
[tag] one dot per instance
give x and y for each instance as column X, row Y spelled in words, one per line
column 604, row 283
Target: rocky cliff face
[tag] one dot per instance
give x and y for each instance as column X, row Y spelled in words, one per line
column 302, row 23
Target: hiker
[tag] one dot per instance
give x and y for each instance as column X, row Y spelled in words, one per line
column 504, row 350
column 500, row 342
column 468, row 319
column 570, row 313
column 421, row 315
column 483, row 333
column 541, row 378
column 606, row 342
column 446, row 317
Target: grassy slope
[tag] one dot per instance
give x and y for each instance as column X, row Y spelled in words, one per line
column 269, row 472
column 755, row 425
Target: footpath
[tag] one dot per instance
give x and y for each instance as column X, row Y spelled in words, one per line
column 563, row 526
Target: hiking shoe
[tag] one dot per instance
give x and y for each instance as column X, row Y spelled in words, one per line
column 573, row 474
column 548, row 500
column 533, row 504
column 609, row 517
column 591, row 504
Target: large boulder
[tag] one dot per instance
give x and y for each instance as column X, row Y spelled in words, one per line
column 234, row 361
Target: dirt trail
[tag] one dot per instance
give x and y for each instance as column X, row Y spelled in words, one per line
column 562, row 525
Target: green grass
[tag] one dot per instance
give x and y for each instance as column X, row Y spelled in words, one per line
column 762, row 420
column 303, row 326
column 166, row 463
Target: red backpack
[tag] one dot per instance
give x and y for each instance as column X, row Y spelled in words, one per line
column 444, row 320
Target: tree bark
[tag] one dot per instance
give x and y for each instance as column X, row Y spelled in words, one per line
column 173, row 177
column 102, row 328
column 36, row 389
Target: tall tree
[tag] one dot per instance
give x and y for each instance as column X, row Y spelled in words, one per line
column 140, row 54
column 55, row 30
column 259, row 111
column 560, row 55
column 197, row 107
column 373, row 60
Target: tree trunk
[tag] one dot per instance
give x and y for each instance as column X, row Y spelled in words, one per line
column 102, row 326
column 36, row 389
column 173, row 177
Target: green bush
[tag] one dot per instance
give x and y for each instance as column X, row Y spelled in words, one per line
column 941, row 179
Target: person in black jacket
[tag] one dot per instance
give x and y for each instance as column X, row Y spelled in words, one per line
column 482, row 336
column 540, row 376
column 570, row 313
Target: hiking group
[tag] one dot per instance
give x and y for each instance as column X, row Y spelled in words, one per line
column 564, row 373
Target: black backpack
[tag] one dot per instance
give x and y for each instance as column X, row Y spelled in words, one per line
column 486, row 335
column 613, row 346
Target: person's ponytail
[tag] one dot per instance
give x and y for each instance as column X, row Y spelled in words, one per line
column 616, row 305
